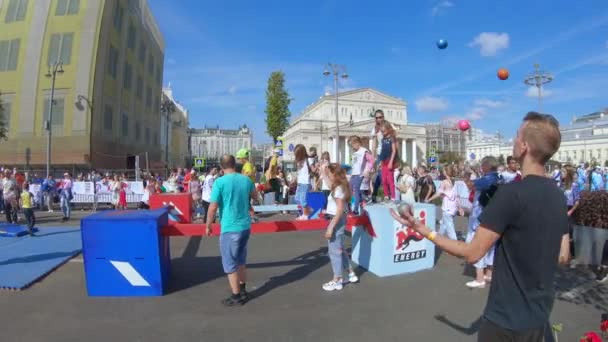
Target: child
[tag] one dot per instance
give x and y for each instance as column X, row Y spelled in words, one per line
column 195, row 189
column 362, row 162
column 449, row 206
column 387, row 156
column 303, row 180
column 122, row 201
column 26, row 205
column 337, row 208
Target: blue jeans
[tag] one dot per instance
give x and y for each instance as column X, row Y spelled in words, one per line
column 337, row 255
column 65, row 207
column 447, row 226
column 301, row 192
column 377, row 183
column 355, row 185
column 233, row 248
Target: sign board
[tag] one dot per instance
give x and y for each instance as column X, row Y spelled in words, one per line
column 199, row 162
column 291, row 147
column 472, row 155
column 408, row 244
column 432, row 160
column 433, row 152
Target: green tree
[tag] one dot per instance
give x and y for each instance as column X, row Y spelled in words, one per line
column 450, row 157
column 3, row 128
column 606, row 163
column 277, row 105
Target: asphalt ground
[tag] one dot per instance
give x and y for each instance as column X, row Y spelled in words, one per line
column 286, row 271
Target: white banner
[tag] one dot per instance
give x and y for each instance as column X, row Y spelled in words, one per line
column 87, row 192
column 83, row 188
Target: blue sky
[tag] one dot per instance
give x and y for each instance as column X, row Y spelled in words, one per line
column 219, row 54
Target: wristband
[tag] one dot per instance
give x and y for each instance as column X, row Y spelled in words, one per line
column 431, row 236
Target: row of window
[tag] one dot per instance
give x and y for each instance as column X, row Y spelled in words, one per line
column 17, row 9
column 60, row 50
column 141, row 134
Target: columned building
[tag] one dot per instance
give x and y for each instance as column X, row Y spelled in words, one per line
column 212, row 143
column 445, row 137
column 316, row 125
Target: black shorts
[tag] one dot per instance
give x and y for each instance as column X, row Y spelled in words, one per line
column 490, row 332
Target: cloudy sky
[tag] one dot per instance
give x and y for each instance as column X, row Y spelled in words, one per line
column 219, row 55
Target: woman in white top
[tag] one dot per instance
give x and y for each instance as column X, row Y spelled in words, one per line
column 407, row 183
column 324, row 173
column 115, row 187
column 303, row 180
column 337, row 208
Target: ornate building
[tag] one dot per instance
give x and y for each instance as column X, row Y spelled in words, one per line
column 212, row 143
column 316, row 125
column 445, row 137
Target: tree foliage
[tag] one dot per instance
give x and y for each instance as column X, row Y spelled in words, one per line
column 3, row 126
column 277, row 105
column 450, row 157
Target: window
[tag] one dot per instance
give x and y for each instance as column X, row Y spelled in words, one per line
column 142, row 52
column 151, row 65
column 139, row 89
column 5, row 114
column 58, row 109
column 128, row 77
column 148, row 97
column 108, row 118
column 131, row 37
column 118, row 14
column 60, row 49
column 137, row 131
column 113, row 62
column 67, row 7
column 9, row 54
column 125, row 125
column 147, row 135
column 16, row 11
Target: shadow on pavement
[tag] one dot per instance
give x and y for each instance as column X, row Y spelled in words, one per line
column 38, row 257
column 578, row 286
column 470, row 330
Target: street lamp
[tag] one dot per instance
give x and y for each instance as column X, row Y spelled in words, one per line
column 538, row 78
column 167, row 107
column 54, row 69
column 337, row 71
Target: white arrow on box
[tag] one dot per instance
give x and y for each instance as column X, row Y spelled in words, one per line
column 130, row 273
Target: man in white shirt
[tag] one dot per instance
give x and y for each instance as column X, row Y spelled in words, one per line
column 207, row 186
column 510, row 174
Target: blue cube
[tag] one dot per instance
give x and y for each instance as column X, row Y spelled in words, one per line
column 125, row 254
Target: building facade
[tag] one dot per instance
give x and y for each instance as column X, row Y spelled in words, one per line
column 106, row 100
column 316, row 125
column 585, row 139
column 175, row 135
column 212, row 143
column 445, row 137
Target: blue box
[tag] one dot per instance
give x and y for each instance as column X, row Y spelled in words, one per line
column 395, row 249
column 125, row 254
column 316, row 202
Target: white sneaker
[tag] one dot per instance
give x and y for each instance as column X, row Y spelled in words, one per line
column 476, row 284
column 332, row 285
column 50, row 211
column 352, row 278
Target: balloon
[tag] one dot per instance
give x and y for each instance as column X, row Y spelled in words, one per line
column 442, row 44
column 464, row 125
column 503, row 73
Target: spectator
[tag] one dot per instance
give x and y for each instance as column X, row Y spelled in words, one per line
column 27, row 205
column 48, row 190
column 66, row 196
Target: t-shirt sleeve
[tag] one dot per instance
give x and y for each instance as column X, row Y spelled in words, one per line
column 338, row 193
column 216, row 192
column 500, row 212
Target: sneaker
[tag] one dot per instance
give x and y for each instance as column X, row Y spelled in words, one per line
column 233, row 300
column 244, row 294
column 476, row 284
column 332, row 285
column 352, row 278
column 602, row 275
column 50, row 211
column 302, row 218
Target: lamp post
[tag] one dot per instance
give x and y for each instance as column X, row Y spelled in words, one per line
column 337, row 71
column 538, row 78
column 54, row 69
column 167, row 107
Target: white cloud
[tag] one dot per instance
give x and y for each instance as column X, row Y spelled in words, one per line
column 437, row 9
column 476, row 113
column 488, row 103
column 431, row 104
column 533, row 92
column 490, row 43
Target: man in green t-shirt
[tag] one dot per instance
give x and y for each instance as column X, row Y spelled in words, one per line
column 232, row 194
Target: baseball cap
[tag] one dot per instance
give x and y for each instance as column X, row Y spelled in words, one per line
column 242, row 153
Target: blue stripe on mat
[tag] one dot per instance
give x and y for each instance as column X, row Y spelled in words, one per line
column 24, row 260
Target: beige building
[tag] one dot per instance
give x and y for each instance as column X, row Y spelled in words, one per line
column 445, row 137
column 107, row 90
column 175, row 136
column 316, row 125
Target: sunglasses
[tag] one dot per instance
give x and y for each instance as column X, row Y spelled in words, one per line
column 379, row 117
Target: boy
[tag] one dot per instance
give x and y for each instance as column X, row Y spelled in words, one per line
column 26, row 205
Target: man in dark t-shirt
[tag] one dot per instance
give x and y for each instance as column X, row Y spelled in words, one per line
column 529, row 224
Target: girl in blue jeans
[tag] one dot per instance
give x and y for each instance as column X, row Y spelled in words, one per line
column 303, row 180
column 337, row 207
